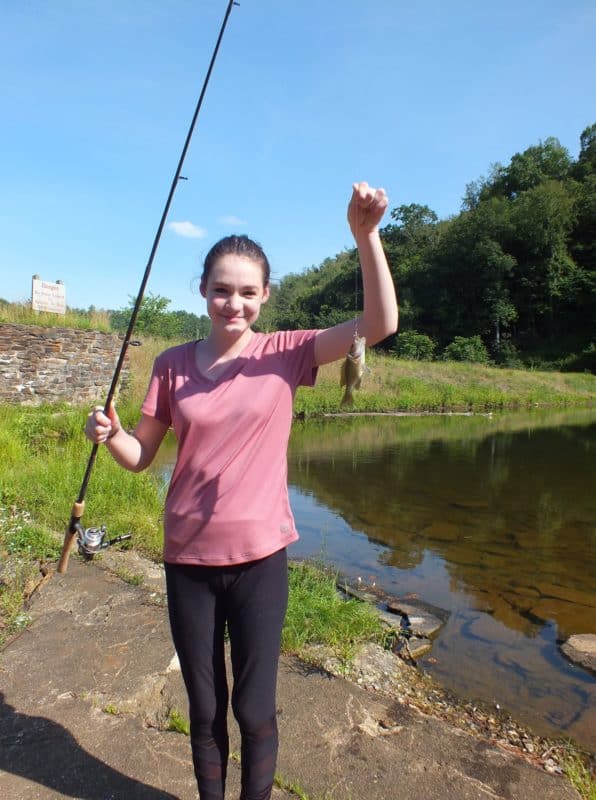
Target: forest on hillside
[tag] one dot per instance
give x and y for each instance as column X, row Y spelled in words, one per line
column 511, row 277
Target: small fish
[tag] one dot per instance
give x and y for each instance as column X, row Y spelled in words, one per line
column 353, row 369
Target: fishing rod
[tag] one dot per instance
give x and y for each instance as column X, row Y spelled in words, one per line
column 93, row 540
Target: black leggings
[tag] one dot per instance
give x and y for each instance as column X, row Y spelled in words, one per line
column 252, row 599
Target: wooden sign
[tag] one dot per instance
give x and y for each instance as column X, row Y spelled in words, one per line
column 47, row 296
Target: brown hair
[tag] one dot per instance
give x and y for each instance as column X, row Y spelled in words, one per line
column 238, row 246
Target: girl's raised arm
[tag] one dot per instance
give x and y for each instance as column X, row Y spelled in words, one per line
column 379, row 316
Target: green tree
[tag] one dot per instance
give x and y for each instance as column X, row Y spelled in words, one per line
column 186, row 326
column 586, row 161
column 471, row 275
column 414, row 221
column 516, row 266
column 542, row 220
column 154, row 319
column 409, row 241
column 548, row 160
column 319, row 297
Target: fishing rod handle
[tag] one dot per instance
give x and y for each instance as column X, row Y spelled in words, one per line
column 70, row 536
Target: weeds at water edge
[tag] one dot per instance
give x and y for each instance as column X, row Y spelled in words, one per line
column 580, row 777
column 318, row 615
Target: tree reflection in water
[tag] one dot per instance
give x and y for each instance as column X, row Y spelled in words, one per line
column 491, row 517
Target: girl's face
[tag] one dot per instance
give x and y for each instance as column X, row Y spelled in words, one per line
column 235, row 293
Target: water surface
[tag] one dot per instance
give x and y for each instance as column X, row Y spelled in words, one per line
column 490, row 517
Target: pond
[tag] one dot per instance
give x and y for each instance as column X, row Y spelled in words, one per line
column 491, row 517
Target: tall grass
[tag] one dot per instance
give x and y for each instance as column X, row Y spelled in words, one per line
column 141, row 362
column 44, row 459
column 23, row 314
column 45, row 454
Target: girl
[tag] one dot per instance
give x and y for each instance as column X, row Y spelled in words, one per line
column 227, row 517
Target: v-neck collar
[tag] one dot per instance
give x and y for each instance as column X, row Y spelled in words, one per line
column 231, row 368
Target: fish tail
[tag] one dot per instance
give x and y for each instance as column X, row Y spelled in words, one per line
column 343, row 379
column 348, row 398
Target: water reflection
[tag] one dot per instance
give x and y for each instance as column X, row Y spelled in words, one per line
column 493, row 518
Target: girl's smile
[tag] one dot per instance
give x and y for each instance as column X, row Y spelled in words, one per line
column 235, row 293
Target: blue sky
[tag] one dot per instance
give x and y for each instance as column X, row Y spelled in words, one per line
column 306, row 97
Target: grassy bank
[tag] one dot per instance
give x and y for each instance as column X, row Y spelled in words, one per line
column 422, row 386
column 318, row 615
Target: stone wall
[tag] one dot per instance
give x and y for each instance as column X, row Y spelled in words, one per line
column 47, row 365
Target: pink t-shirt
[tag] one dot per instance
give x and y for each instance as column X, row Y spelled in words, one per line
column 227, row 502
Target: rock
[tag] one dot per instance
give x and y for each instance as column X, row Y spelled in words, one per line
column 551, row 766
column 581, row 649
column 417, row 646
column 415, row 618
column 345, row 589
column 392, row 620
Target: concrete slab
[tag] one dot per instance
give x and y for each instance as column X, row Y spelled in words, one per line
column 88, row 687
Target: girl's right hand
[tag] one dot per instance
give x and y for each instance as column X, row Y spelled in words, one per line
column 101, row 427
column 366, row 208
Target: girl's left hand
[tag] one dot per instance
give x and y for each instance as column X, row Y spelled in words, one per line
column 366, row 209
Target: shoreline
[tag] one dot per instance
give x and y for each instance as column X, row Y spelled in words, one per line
column 385, row 673
column 406, row 683
column 431, row 696
column 413, row 685
column 97, row 666
column 374, row 668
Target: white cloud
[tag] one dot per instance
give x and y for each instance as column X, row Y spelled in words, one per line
column 188, row 229
column 230, row 219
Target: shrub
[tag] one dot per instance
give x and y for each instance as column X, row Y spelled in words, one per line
column 414, row 346
column 582, row 362
column 467, row 348
column 507, row 355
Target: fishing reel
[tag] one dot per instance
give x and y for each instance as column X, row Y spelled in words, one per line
column 91, row 541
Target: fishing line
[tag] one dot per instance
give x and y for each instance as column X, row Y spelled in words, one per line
column 356, row 271
column 356, row 298
column 93, row 539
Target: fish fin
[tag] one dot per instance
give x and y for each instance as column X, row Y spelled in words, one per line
column 343, row 379
column 347, row 399
column 358, row 383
